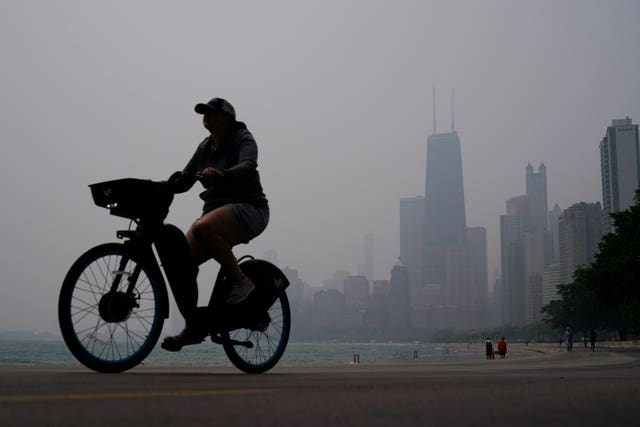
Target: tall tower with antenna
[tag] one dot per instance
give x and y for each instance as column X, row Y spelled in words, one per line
column 453, row 256
column 445, row 222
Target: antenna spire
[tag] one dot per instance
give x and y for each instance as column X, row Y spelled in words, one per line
column 434, row 104
column 453, row 123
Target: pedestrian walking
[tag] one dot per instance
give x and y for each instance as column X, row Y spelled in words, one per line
column 502, row 348
column 592, row 337
column 568, row 338
column 489, row 348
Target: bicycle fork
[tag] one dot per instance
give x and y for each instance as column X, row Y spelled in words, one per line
column 116, row 305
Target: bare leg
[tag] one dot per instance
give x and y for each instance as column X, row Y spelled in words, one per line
column 213, row 236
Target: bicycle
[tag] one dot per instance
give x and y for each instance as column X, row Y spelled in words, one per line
column 114, row 299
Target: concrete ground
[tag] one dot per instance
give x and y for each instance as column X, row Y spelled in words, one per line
column 535, row 387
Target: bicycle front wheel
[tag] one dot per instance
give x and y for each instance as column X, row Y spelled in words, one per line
column 110, row 310
column 267, row 344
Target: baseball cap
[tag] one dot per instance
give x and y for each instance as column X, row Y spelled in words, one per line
column 217, row 104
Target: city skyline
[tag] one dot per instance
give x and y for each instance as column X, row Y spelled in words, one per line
column 338, row 96
column 541, row 249
column 536, row 191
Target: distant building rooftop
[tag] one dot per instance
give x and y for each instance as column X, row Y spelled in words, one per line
column 621, row 122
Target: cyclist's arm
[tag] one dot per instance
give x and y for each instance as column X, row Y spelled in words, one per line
column 247, row 161
column 194, row 166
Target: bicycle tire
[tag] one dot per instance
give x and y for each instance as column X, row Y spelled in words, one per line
column 268, row 345
column 109, row 345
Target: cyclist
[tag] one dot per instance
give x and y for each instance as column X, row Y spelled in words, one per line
column 235, row 210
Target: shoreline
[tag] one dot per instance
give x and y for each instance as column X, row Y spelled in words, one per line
column 521, row 361
column 310, row 354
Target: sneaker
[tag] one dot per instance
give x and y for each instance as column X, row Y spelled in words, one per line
column 186, row 337
column 240, row 291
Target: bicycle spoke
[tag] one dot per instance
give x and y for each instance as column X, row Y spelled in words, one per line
column 90, row 310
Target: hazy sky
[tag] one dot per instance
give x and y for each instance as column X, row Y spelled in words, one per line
column 338, row 95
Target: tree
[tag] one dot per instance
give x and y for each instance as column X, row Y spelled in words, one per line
column 605, row 294
column 577, row 307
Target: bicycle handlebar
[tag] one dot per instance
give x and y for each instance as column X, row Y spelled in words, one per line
column 181, row 182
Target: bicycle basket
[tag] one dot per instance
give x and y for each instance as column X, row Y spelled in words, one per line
column 133, row 198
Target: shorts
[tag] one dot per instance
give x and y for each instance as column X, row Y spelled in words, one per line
column 253, row 219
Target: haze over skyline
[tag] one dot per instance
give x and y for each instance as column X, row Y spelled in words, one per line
column 338, row 95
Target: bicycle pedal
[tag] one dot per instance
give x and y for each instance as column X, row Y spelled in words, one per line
column 171, row 347
column 245, row 344
column 216, row 338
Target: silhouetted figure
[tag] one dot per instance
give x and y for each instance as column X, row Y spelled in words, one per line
column 568, row 338
column 502, row 348
column 489, row 348
column 235, row 210
column 592, row 337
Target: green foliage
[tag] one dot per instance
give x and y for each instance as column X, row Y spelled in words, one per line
column 578, row 307
column 605, row 294
column 532, row 332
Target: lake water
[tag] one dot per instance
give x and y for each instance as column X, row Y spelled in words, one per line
column 36, row 353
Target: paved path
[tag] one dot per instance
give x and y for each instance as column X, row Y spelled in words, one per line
column 581, row 388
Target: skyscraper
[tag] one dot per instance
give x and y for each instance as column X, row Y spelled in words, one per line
column 526, row 250
column 445, row 223
column 554, row 215
column 379, row 307
column 411, row 234
column 580, row 229
column 328, row 312
column 366, row 268
column 356, row 292
column 512, row 226
column 400, row 314
column 512, row 259
column 620, row 168
column 356, row 300
column 534, row 263
column 537, row 191
column 550, row 281
column 453, row 262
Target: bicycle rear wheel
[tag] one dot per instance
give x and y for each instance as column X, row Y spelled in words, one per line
column 110, row 330
column 267, row 344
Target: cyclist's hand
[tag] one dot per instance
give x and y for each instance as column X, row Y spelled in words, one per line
column 180, row 182
column 210, row 175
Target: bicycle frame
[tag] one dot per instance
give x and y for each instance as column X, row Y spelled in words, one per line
column 142, row 240
column 140, row 243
